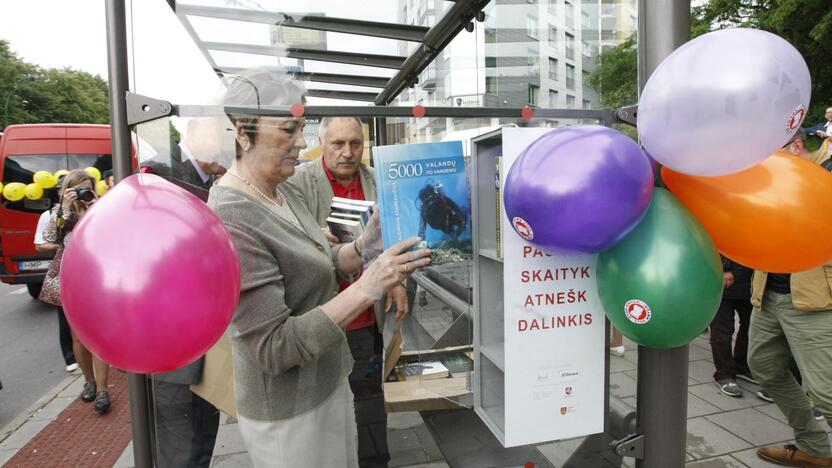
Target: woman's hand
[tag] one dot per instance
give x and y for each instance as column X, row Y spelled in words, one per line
column 391, row 267
column 70, row 196
column 369, row 242
column 399, row 296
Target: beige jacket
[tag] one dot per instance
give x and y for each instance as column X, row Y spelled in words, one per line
column 811, row 289
column 312, row 186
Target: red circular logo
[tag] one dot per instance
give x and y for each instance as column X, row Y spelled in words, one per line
column 637, row 311
column 796, row 118
column 522, row 228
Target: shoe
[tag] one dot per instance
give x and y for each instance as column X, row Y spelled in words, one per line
column 817, row 414
column 618, row 350
column 763, row 395
column 747, row 377
column 102, row 402
column 729, row 387
column 72, row 367
column 89, row 392
column 790, row 455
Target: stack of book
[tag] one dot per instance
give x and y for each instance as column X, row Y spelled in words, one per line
column 347, row 217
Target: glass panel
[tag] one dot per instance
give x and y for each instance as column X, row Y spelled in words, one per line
column 524, row 53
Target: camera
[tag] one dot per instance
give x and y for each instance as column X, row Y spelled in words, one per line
column 84, row 194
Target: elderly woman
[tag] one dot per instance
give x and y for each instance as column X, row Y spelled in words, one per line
column 291, row 358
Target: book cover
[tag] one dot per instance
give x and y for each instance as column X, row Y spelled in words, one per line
column 426, row 370
column 423, row 191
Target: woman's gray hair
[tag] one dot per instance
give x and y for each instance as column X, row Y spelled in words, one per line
column 259, row 87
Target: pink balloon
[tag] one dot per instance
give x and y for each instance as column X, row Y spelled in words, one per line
column 150, row 278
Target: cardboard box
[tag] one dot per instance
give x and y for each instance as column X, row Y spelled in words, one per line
column 417, row 394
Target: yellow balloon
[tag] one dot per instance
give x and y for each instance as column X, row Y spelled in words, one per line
column 101, row 188
column 60, row 173
column 45, row 179
column 1, row 188
column 14, row 191
column 33, row 191
column 93, row 172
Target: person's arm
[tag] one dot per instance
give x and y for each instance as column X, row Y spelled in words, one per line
column 46, row 248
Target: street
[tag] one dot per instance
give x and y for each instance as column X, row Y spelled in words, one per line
column 30, row 357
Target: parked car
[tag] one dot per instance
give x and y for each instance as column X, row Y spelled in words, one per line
column 24, row 150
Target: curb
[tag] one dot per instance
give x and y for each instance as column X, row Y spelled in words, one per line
column 27, row 414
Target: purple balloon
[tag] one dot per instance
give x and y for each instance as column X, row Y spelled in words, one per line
column 579, row 189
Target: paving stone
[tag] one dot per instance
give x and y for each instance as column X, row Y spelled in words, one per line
column 719, row 462
column 560, row 451
column 773, row 411
column 702, row 371
column 753, row 426
column 73, row 390
column 699, row 407
column 620, row 364
column 432, row 452
column 429, row 465
column 705, row 439
column 710, row 393
column 404, row 420
column 622, row 385
column 5, row 455
column 233, row 460
column 229, row 440
column 126, row 458
column 23, row 435
column 697, row 352
column 53, row 409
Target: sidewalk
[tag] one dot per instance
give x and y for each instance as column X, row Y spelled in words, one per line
column 722, row 431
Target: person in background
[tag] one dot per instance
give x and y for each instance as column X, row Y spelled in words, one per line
column 736, row 302
column 339, row 172
column 185, row 424
column 76, row 195
column 290, row 352
column 792, row 318
column 64, row 334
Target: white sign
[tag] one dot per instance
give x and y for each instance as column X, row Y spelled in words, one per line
column 554, row 333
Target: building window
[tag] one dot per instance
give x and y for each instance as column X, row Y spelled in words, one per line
column 553, row 99
column 533, row 92
column 584, row 20
column 553, row 69
column 531, row 27
column 570, row 101
column 585, row 78
column 491, row 85
column 533, row 61
column 586, row 49
column 569, row 14
column 490, row 35
column 553, row 5
column 587, row 104
column 490, row 62
column 570, row 76
column 570, row 46
column 553, row 36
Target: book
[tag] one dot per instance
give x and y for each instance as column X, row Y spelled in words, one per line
column 363, row 211
column 425, row 370
column 423, row 190
column 350, row 201
column 342, row 228
column 458, row 364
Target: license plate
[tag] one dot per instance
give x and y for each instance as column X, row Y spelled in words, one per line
column 35, row 265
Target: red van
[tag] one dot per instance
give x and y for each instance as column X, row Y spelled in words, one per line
column 24, row 150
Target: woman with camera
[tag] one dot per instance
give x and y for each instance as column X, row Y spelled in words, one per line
column 76, row 195
column 290, row 352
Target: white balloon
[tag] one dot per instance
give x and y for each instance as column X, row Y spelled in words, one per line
column 723, row 102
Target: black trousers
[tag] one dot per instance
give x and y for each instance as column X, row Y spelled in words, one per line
column 366, row 345
column 730, row 362
column 65, row 338
column 185, row 427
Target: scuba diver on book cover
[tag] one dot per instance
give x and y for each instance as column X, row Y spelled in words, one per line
column 439, row 211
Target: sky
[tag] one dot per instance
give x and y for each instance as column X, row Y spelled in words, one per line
column 55, row 33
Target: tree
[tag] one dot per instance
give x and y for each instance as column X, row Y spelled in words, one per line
column 30, row 94
column 806, row 24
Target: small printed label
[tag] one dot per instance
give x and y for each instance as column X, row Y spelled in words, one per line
column 637, row 311
column 522, row 228
column 796, row 118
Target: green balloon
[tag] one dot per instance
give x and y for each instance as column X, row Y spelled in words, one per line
column 662, row 284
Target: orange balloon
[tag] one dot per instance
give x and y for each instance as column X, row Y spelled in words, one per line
column 775, row 217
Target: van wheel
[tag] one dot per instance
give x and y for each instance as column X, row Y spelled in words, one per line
column 34, row 289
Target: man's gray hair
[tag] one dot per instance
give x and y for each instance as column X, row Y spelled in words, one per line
column 327, row 120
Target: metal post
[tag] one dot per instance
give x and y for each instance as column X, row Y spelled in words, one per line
column 120, row 131
column 663, row 25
